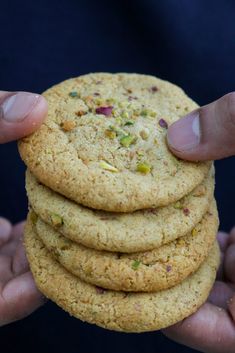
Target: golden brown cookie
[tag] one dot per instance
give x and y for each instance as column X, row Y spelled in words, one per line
column 124, row 232
column 149, row 271
column 103, row 143
column 120, row 311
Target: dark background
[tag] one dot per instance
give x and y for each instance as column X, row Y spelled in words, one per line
column 191, row 43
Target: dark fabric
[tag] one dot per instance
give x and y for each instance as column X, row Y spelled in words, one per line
column 190, row 43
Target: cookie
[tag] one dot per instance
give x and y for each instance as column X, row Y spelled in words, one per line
column 120, row 311
column 150, row 271
column 103, row 143
column 131, row 232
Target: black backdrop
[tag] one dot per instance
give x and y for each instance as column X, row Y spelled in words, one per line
column 190, row 43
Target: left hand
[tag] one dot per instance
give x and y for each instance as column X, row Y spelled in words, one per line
column 21, row 113
column 18, row 293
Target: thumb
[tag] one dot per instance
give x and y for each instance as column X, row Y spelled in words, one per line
column 20, row 114
column 206, row 133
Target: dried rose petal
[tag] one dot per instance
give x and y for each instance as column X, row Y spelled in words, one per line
column 99, row 290
column 186, row 211
column 153, row 89
column 168, row 268
column 163, row 123
column 107, row 111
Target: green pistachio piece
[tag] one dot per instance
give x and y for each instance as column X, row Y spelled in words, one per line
column 125, row 115
column 128, row 140
column 33, row 217
column 178, row 205
column 56, row 220
column 135, row 264
column 73, row 94
column 107, row 166
column 110, row 134
column 144, row 168
column 129, row 123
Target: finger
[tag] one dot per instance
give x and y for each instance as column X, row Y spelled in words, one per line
column 223, row 238
column 18, row 230
column 231, row 239
column 20, row 114
column 206, row 133
column 20, row 297
column 221, row 294
column 209, row 330
column 19, row 261
column 220, row 272
column 9, row 247
column 5, row 230
column 229, row 263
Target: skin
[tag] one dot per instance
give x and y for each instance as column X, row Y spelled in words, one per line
column 212, row 327
column 18, row 294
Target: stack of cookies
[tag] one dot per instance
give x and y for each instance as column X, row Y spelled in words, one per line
column 120, row 232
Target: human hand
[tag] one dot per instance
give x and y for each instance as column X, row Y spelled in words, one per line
column 208, row 133
column 18, row 293
column 20, row 114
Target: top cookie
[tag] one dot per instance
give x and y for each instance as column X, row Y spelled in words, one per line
column 103, row 143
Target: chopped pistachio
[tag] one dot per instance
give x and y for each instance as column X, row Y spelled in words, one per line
column 33, row 217
column 116, row 113
column 152, row 114
column 144, row 168
column 111, row 100
column 129, row 123
column 178, row 205
column 135, row 264
column 194, row 232
column 110, row 134
column 125, row 115
column 140, row 153
column 144, row 134
column 107, row 166
column 128, row 140
column 119, row 131
column 99, row 101
column 121, row 104
column 56, row 219
column 119, row 120
column 144, row 112
column 73, row 94
column 155, row 141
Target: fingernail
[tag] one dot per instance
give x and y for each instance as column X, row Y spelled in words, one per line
column 185, row 133
column 18, row 106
